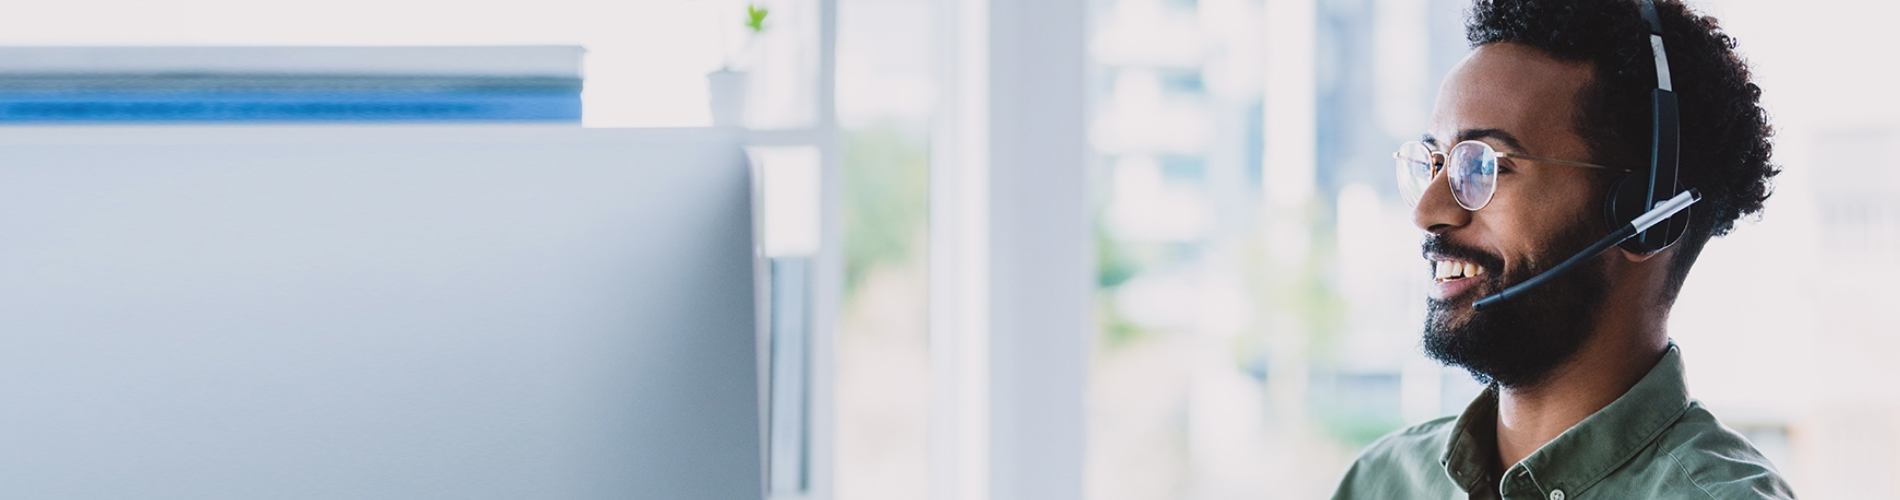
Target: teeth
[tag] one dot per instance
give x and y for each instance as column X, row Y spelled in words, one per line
column 1445, row 270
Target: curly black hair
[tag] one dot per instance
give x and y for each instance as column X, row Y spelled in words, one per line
column 1725, row 133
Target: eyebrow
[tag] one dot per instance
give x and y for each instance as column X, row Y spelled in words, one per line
column 1510, row 141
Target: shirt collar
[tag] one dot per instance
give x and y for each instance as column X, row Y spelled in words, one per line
column 1581, row 456
column 1472, row 451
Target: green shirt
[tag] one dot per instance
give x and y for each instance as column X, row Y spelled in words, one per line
column 1653, row 442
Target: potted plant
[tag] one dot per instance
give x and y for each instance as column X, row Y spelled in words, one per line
column 727, row 87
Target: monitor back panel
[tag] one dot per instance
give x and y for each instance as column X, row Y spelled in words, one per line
column 454, row 312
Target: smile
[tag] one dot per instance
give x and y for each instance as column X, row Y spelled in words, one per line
column 1453, row 270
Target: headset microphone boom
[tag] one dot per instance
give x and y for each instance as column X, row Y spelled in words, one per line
column 1642, row 223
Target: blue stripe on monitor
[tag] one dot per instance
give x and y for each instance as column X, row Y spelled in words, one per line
column 43, row 107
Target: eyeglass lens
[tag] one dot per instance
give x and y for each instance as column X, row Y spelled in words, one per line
column 1471, row 171
column 1415, row 171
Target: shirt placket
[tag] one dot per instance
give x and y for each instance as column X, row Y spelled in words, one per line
column 1520, row 483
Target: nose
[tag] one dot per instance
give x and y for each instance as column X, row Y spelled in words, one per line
column 1437, row 212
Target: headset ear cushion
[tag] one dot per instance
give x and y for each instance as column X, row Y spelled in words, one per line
column 1625, row 201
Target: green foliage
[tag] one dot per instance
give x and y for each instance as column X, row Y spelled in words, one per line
column 1318, row 301
column 755, row 18
column 1302, row 291
column 1114, row 263
column 1115, row 330
column 887, row 198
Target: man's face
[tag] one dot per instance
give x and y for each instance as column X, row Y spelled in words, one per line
column 1518, row 100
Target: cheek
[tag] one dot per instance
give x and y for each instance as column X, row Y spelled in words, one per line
column 1522, row 221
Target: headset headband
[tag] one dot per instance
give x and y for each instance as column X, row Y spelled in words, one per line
column 1656, row 46
column 1632, row 198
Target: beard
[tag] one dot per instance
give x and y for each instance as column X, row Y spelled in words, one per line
column 1521, row 342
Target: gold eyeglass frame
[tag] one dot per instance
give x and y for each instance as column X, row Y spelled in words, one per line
column 1440, row 158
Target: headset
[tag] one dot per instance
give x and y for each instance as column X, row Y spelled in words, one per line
column 1650, row 210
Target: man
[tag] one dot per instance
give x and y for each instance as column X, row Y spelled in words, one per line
column 1586, row 396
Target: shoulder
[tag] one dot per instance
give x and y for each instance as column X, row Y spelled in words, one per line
column 1424, row 442
column 1401, row 464
column 1718, row 460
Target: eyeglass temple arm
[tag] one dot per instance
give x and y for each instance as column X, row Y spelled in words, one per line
column 1538, row 159
column 1541, row 159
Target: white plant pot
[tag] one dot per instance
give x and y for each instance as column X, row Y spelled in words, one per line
column 727, row 89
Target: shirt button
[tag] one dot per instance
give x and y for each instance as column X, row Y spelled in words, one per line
column 1556, row 494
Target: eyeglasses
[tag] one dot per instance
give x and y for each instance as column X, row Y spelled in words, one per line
column 1471, row 169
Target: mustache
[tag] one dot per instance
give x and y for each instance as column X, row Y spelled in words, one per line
column 1438, row 244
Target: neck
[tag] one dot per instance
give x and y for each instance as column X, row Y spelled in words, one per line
column 1622, row 349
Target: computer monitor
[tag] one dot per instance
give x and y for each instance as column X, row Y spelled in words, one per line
column 376, row 312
